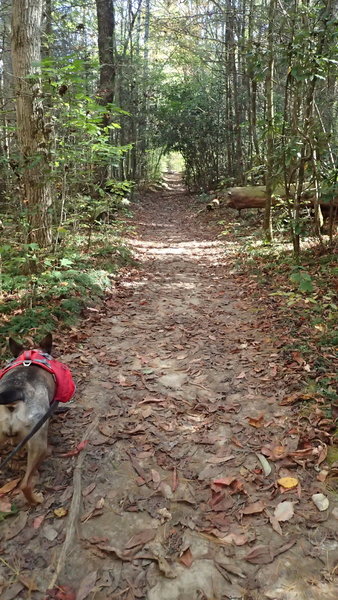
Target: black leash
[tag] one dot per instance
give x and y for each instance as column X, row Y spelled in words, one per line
column 36, row 428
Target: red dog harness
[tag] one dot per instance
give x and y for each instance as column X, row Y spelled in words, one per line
column 64, row 384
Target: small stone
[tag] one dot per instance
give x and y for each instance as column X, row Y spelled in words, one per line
column 335, row 513
column 320, row 501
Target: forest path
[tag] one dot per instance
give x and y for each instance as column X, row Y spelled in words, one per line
column 183, row 376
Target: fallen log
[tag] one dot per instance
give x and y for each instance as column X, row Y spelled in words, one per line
column 255, row 197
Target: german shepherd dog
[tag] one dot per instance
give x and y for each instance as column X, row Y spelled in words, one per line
column 26, row 393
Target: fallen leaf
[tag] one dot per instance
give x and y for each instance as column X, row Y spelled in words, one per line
column 284, row 511
column 86, row 586
column 322, row 475
column 288, row 482
column 256, row 421
column 17, row 525
column 76, row 450
column 234, row 538
column 186, row 558
column 89, row 489
column 63, row 592
column 275, row 524
column 107, row 385
column 38, row 521
column 224, row 480
column 151, row 399
column 320, row 501
column 174, row 483
column 140, row 538
column 297, row 397
column 8, row 487
column 254, row 508
column 218, row 460
column 322, row 455
column 29, row 583
column 260, row 555
column 61, row 512
column 49, row 533
column 263, row 555
column 265, row 465
column 5, row 507
column 242, row 375
column 298, row 357
column 12, row 592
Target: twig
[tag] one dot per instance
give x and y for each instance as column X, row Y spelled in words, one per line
column 74, row 508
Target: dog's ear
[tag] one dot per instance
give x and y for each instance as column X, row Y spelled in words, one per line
column 46, row 343
column 14, row 347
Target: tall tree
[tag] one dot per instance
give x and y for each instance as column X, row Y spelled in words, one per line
column 32, row 136
column 268, row 231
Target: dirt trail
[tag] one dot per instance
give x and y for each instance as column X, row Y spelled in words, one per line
column 181, row 363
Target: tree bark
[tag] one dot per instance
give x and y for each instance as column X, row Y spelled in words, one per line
column 106, row 44
column 31, row 132
column 268, row 231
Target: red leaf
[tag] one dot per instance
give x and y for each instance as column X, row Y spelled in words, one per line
column 76, row 450
column 224, row 481
column 186, row 559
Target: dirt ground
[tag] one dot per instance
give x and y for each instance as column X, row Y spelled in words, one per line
column 176, row 495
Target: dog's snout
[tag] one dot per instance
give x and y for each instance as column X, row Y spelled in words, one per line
column 10, row 433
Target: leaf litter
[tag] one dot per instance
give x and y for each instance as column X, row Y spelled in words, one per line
column 231, row 413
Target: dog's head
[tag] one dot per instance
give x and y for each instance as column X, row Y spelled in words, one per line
column 45, row 345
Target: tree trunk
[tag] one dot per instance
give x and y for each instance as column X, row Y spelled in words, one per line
column 268, row 232
column 32, row 137
column 106, row 43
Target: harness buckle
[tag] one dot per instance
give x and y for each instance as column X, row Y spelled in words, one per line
column 27, row 363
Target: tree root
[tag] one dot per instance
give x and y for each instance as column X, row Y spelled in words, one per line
column 74, row 508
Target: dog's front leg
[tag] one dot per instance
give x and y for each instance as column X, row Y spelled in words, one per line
column 37, row 450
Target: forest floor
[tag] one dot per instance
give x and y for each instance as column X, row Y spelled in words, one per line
column 197, row 478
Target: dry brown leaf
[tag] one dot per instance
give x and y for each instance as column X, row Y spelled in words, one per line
column 224, row 480
column 275, row 524
column 28, row 582
column 17, row 526
column 86, row 586
column 140, row 538
column 256, row 421
column 234, row 538
column 254, row 508
column 186, row 558
column 8, row 487
column 88, row 490
column 242, row 375
column 260, row 555
column 218, row 460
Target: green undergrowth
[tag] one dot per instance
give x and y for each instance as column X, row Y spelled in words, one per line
column 302, row 299
column 41, row 291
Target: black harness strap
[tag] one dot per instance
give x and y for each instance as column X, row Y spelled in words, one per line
column 36, row 428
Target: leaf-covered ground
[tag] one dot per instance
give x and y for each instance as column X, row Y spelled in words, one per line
column 199, row 476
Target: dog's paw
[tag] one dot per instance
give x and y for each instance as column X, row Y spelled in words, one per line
column 32, row 497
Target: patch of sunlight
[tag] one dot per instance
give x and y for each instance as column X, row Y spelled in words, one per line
column 188, row 245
